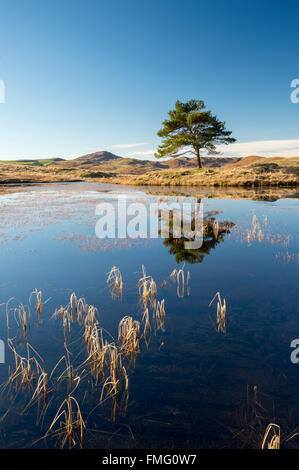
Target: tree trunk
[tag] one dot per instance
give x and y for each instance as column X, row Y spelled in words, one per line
column 198, row 158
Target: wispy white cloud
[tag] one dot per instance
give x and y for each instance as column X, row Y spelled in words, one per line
column 127, row 146
column 263, row 148
column 144, row 152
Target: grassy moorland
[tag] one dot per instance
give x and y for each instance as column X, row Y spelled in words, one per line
column 246, row 172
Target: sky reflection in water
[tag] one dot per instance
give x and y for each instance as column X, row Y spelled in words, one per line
column 192, row 387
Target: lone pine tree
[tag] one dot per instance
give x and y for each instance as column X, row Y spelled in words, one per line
column 189, row 129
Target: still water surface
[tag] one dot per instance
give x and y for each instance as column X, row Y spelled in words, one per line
column 192, row 387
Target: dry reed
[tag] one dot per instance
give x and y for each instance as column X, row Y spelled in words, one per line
column 178, row 277
column 146, row 326
column 159, row 316
column 68, row 424
column 105, row 359
column 77, row 311
column 38, row 307
column 221, row 313
column 129, row 337
column 272, row 437
column 147, row 289
column 23, row 319
column 115, row 283
column 27, row 370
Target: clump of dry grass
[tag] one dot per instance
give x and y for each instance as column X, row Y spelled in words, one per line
column 68, row 424
column 147, row 329
column 115, row 283
column 107, row 360
column 64, row 315
column 21, row 315
column 116, row 380
column 41, row 389
column 272, row 437
column 148, row 299
column 90, row 323
column 147, row 289
column 74, row 307
column 221, row 313
column 129, row 337
column 38, row 307
column 26, row 369
column 178, row 277
column 159, row 315
column 78, row 308
column 77, row 311
column 117, row 372
column 22, row 320
column 38, row 303
column 97, row 349
column 173, row 275
column 68, row 372
column 255, row 232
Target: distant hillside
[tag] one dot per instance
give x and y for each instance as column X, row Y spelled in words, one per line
column 208, row 162
column 254, row 160
column 107, row 162
column 107, row 167
column 103, row 163
column 95, row 158
column 36, row 162
column 110, row 163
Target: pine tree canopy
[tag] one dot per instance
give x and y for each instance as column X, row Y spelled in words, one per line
column 190, row 128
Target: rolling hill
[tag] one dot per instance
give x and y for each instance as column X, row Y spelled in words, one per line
column 110, row 163
column 107, row 167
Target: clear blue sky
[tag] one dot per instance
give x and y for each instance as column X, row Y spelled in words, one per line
column 82, row 76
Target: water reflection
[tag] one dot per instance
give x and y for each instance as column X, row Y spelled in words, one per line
column 253, row 194
column 213, row 234
column 192, row 387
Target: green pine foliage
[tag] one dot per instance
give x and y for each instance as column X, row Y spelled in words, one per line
column 189, row 129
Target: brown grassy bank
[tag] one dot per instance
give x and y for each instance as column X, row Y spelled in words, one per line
column 13, row 174
column 255, row 172
column 248, row 176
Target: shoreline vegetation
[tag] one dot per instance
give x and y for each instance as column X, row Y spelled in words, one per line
column 215, row 177
column 248, row 172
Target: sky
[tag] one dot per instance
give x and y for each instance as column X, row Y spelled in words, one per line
column 78, row 77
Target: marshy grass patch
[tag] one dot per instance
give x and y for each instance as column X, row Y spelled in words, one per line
column 93, row 357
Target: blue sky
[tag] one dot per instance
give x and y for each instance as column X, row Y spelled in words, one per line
column 82, row 76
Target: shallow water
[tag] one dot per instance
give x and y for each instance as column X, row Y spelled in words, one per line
column 192, row 386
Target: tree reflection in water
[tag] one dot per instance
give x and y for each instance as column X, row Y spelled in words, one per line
column 213, row 234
